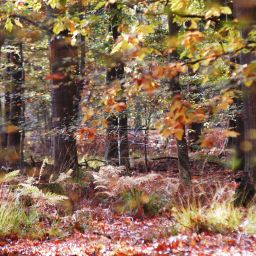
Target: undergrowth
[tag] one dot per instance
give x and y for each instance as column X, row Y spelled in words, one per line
column 14, row 219
column 23, row 206
column 217, row 215
column 145, row 194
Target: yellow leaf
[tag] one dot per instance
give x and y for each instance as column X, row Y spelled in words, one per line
column 104, row 123
column 144, row 198
column 10, row 128
column 167, row 132
column 178, row 133
column 18, row 23
column 88, row 113
column 225, row 10
column 213, row 12
column 8, row 25
column 145, row 29
column 233, row 134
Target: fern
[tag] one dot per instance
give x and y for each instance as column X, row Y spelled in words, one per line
column 9, row 176
column 109, row 181
column 64, row 176
column 37, row 194
column 53, row 198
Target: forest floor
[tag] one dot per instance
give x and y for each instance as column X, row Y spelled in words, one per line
column 107, row 233
column 125, row 236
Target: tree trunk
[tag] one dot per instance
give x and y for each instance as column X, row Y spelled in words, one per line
column 182, row 147
column 13, row 109
column 245, row 11
column 195, row 131
column 237, row 124
column 111, row 153
column 117, row 145
column 64, row 66
column 6, row 115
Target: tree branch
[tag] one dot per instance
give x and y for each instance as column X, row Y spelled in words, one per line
column 31, row 22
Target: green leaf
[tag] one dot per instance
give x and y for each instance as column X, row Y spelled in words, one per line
column 225, row 10
column 99, row 5
column 53, row 3
column 8, row 25
column 58, row 27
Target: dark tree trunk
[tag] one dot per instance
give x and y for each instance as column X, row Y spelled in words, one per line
column 246, row 11
column 182, row 147
column 117, row 144
column 6, row 115
column 13, row 108
column 195, row 134
column 111, row 153
column 123, row 140
column 64, row 66
column 195, row 131
column 237, row 124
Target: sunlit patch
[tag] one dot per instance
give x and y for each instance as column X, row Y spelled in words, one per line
column 246, row 146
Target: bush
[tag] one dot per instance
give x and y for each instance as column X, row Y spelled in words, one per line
column 15, row 220
column 136, row 202
column 145, row 194
column 23, row 206
column 249, row 225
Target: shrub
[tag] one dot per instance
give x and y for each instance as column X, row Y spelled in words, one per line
column 223, row 217
column 22, row 205
column 136, row 202
column 147, row 193
column 14, row 219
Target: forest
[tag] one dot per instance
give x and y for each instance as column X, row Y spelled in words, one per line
column 128, row 127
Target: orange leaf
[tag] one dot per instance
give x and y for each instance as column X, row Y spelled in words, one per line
column 120, row 107
column 207, row 142
column 56, row 76
column 10, row 128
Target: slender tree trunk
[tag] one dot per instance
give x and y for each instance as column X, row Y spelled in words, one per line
column 6, row 115
column 117, row 145
column 3, row 138
column 64, row 66
column 237, row 124
column 14, row 107
column 195, row 128
column 182, row 147
column 111, row 153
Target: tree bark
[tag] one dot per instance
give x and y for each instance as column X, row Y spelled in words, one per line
column 13, row 109
column 245, row 11
column 64, row 66
column 182, row 147
column 195, row 128
column 117, row 145
column 237, row 124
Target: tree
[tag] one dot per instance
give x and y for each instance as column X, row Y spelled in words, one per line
column 117, row 145
column 16, row 105
column 182, row 147
column 245, row 12
column 64, row 66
